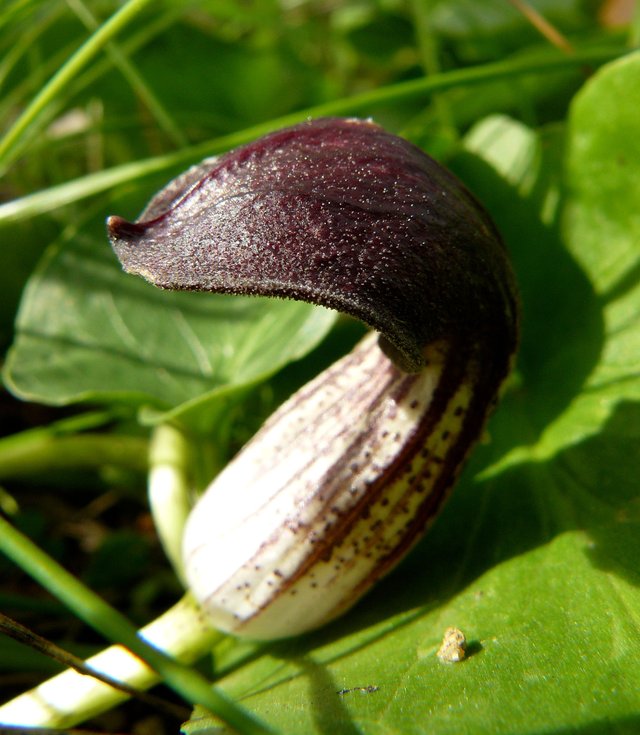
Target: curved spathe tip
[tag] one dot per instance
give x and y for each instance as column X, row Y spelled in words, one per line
column 340, row 213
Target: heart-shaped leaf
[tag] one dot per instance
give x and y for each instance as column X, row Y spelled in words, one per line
column 106, row 336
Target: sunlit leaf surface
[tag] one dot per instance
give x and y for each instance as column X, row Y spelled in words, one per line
column 536, row 557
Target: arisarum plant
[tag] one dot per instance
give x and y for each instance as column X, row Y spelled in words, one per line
column 345, row 477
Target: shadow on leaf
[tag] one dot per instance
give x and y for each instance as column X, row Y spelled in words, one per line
column 562, row 322
column 614, row 726
column 591, row 487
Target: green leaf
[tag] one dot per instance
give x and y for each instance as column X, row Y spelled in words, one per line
column 603, row 218
column 18, row 262
column 536, row 556
column 600, row 226
column 88, row 332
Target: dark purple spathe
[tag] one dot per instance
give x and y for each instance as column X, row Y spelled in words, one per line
column 340, row 213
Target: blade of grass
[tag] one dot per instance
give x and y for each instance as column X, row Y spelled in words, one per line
column 41, row 68
column 429, row 56
column 542, row 25
column 11, row 12
column 138, row 38
column 18, row 42
column 27, row 637
column 135, row 80
column 88, row 606
column 86, row 186
column 66, row 73
column 69, row 698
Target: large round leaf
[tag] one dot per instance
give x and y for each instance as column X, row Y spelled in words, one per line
column 101, row 335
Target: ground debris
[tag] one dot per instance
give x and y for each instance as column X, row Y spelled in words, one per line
column 363, row 690
column 453, row 647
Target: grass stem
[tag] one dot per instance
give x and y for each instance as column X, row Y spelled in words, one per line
column 95, row 43
column 101, row 181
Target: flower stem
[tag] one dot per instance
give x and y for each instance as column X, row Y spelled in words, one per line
column 70, row 697
column 170, row 489
column 59, row 446
column 182, row 619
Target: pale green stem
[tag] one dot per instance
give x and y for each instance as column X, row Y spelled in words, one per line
column 40, row 451
column 67, row 72
column 70, row 698
column 92, row 184
column 187, row 682
column 170, row 489
column 60, row 446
